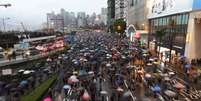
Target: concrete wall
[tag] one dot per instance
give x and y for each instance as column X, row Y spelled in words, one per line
column 193, row 42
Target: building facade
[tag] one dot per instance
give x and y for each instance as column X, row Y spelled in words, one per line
column 137, row 19
column 120, row 9
column 182, row 28
column 110, row 14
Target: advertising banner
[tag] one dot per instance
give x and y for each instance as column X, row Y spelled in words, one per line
column 158, row 8
column 197, row 5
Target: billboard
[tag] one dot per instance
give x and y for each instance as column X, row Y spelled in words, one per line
column 158, row 8
column 197, row 5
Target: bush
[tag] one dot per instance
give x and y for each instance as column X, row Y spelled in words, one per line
column 40, row 91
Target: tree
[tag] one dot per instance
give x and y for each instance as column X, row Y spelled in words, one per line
column 159, row 35
column 119, row 25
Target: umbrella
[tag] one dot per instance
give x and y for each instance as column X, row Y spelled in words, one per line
column 171, row 73
column 24, row 82
column 27, row 72
column 157, row 63
column 188, row 66
column 103, row 92
column 86, row 96
column 149, row 64
column 73, row 79
column 108, row 65
column 8, row 86
column 47, row 99
column 170, row 93
column 2, row 83
column 21, row 70
column 120, row 89
column 147, row 75
column 13, row 89
column 75, row 72
column 82, row 72
column 66, row 87
column 179, row 86
column 91, row 72
column 167, row 79
column 151, row 59
column 127, row 94
column 156, row 88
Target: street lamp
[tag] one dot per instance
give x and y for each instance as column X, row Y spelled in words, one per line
column 6, row 5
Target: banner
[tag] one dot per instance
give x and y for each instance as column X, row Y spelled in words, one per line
column 197, row 5
column 158, row 8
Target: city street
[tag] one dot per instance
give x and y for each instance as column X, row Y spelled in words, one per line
column 100, row 50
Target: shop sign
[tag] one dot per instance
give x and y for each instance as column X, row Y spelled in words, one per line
column 158, row 8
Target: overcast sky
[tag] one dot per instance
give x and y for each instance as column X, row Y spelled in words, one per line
column 33, row 12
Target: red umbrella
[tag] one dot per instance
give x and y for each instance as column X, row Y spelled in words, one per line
column 137, row 35
column 86, row 96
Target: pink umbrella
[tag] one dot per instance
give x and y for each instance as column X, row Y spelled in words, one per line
column 86, row 96
column 137, row 35
column 47, row 99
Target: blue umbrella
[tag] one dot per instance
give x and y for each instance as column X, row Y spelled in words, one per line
column 157, row 88
column 82, row 72
column 24, row 82
column 188, row 66
column 66, row 87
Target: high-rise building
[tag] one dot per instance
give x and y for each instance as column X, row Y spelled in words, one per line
column 120, row 9
column 110, row 14
column 81, row 19
column 103, row 16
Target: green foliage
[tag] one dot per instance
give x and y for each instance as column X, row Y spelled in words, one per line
column 119, row 25
column 39, row 92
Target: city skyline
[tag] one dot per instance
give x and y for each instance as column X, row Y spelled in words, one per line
column 35, row 13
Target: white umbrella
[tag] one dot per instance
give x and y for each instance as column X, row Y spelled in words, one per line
column 91, row 72
column 167, row 79
column 147, row 75
column 170, row 93
column 21, row 70
column 108, row 65
column 104, row 92
column 120, row 89
column 27, row 72
column 151, row 59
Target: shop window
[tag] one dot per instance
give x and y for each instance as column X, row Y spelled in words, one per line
column 179, row 20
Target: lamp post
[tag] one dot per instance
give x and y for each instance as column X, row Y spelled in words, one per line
column 6, row 5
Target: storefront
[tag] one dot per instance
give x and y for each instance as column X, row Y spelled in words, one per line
column 181, row 32
column 175, row 31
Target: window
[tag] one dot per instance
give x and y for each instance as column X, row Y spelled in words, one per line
column 132, row 3
column 179, row 20
column 185, row 19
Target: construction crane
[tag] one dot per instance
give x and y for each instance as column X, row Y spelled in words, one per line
column 23, row 27
column 25, row 30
